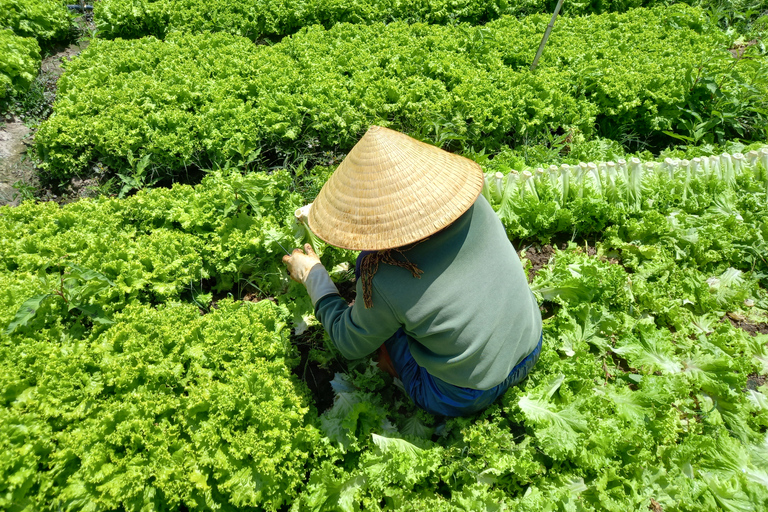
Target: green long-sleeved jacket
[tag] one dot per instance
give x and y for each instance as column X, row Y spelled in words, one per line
column 470, row 318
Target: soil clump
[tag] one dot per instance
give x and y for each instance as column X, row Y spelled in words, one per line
column 750, row 328
column 754, row 381
column 539, row 257
column 317, row 377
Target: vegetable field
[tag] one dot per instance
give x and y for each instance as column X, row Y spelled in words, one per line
column 155, row 356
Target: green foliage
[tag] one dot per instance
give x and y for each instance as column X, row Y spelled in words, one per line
column 641, row 392
column 628, row 405
column 207, row 100
column 132, row 18
column 19, row 63
column 147, row 416
column 78, row 290
column 128, row 381
column 257, row 19
column 678, row 198
column 576, row 279
column 35, row 104
column 138, row 179
column 116, row 391
column 48, row 21
column 152, row 245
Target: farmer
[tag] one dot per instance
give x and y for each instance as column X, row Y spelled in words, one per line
column 440, row 290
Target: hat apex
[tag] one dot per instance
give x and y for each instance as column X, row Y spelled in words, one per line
column 392, row 190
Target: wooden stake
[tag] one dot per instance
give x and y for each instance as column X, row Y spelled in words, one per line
column 546, row 34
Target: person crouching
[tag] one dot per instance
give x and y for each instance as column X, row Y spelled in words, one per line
column 445, row 298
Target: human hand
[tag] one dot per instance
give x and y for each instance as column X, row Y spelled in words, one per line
column 300, row 262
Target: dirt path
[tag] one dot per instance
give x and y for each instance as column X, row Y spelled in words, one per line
column 14, row 167
column 15, row 136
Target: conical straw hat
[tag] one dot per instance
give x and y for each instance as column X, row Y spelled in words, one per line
column 392, row 190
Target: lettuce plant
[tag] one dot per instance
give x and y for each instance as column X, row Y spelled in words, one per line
column 48, row 21
column 19, row 63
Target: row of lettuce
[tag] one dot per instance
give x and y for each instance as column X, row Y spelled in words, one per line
column 540, row 202
column 19, row 63
column 116, row 392
column 125, row 385
column 48, row 22
column 274, row 19
column 26, row 26
column 207, row 101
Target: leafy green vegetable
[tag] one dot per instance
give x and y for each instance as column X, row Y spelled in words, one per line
column 258, row 19
column 148, row 415
column 643, row 391
column 647, row 392
column 46, row 20
column 19, row 63
column 26, row 312
column 308, row 98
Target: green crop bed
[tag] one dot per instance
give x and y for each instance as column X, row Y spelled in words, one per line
column 273, row 19
column 26, row 26
column 129, row 381
column 155, row 356
column 48, row 21
column 19, row 62
column 214, row 100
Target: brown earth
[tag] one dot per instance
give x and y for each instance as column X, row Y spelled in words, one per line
column 750, row 328
column 347, row 290
column 317, row 377
column 14, row 166
column 51, row 65
column 754, row 381
column 738, row 50
column 539, row 257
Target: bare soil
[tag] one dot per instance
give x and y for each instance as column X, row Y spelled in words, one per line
column 752, row 329
column 754, row 381
column 347, row 290
column 548, row 310
column 539, row 257
column 14, row 166
column 738, row 50
column 318, row 378
column 51, row 65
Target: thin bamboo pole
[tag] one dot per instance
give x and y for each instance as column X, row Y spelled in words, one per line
column 546, row 35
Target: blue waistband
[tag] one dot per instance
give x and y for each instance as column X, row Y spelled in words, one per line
column 439, row 397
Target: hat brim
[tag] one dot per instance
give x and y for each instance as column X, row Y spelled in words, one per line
column 392, row 190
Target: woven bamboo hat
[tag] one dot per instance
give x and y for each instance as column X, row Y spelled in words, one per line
column 392, row 190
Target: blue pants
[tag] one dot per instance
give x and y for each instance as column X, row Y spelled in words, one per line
column 437, row 396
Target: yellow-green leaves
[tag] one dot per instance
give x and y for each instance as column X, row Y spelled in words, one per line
column 19, row 62
column 217, row 100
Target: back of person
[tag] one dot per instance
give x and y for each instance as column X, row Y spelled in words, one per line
column 441, row 293
column 471, row 316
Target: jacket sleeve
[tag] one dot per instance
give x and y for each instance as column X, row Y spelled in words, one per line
column 355, row 330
